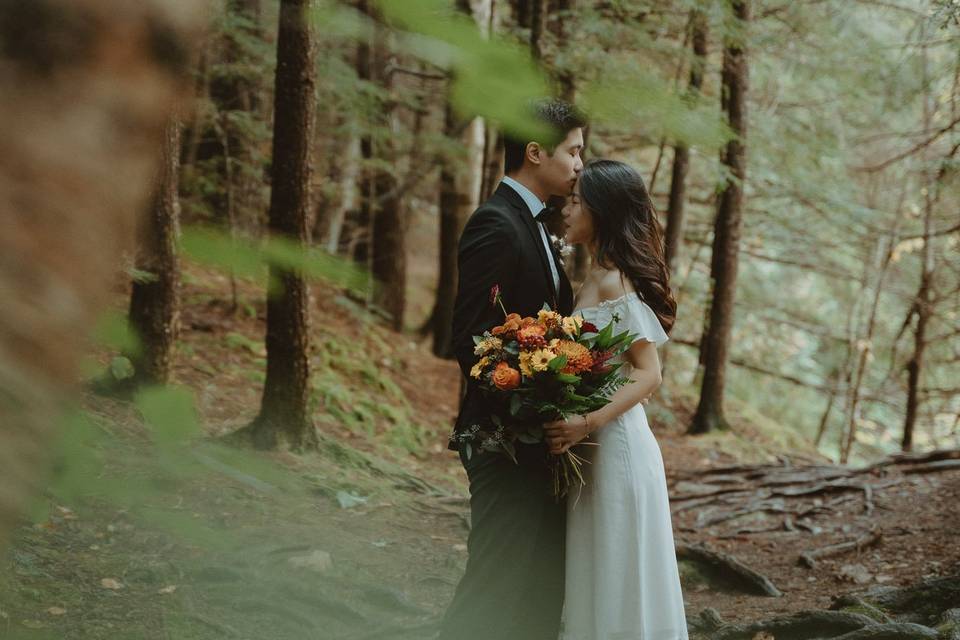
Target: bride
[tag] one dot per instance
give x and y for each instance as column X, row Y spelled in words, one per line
column 622, row 581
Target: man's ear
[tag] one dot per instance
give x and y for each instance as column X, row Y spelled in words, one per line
column 533, row 153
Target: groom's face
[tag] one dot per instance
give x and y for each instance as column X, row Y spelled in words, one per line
column 559, row 170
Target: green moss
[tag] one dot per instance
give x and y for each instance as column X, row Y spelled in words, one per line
column 868, row 610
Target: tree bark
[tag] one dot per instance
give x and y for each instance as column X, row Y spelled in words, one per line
column 538, row 20
column 681, row 153
column 284, row 417
column 924, row 310
column 459, row 190
column 388, row 232
column 358, row 244
column 923, row 305
column 723, row 273
column 154, row 302
column 492, row 161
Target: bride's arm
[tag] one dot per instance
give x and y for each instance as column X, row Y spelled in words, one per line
column 644, row 380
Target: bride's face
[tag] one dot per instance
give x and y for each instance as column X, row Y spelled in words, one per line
column 578, row 219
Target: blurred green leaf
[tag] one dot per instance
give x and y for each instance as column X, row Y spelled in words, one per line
column 170, row 414
column 217, row 248
column 121, row 368
column 113, row 331
column 492, row 77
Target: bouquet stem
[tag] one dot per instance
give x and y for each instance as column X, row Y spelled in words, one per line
column 567, row 472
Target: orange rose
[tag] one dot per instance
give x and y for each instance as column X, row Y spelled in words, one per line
column 510, row 325
column 506, row 377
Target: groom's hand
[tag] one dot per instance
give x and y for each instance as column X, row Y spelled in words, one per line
column 563, row 434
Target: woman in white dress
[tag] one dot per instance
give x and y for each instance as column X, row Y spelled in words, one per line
column 622, row 581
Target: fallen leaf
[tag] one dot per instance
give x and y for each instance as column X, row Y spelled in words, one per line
column 111, row 583
column 56, row 611
column 168, row 589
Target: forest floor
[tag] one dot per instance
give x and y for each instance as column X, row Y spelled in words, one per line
column 366, row 539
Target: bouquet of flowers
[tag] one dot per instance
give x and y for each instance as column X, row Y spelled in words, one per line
column 541, row 369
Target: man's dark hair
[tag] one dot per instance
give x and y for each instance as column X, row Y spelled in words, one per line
column 560, row 116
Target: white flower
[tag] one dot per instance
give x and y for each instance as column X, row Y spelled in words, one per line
column 563, row 249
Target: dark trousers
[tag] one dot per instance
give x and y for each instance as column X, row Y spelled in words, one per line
column 513, row 585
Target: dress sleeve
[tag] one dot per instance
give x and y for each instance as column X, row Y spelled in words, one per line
column 638, row 318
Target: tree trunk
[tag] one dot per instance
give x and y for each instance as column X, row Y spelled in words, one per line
column 459, row 190
column 350, row 174
column 723, row 273
column 923, row 304
column 681, row 153
column 522, row 10
column 358, row 244
column 884, row 251
column 389, row 216
column 284, row 418
column 389, row 233
column 538, row 19
column 154, row 302
column 492, row 161
column 915, row 366
column 825, row 418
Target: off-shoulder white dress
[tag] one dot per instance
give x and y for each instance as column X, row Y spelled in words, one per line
column 622, row 581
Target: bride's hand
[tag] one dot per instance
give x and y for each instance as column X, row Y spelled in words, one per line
column 563, row 434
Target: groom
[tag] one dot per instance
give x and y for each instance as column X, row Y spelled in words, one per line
column 514, row 582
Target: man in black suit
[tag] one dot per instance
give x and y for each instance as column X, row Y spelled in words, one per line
column 514, row 581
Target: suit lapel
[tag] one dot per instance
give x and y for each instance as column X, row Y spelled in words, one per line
column 565, row 294
column 530, row 223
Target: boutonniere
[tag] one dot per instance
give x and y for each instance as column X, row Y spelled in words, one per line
column 563, row 249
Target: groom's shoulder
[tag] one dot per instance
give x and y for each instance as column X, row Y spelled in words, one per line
column 492, row 213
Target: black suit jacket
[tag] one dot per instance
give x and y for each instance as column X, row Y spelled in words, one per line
column 500, row 245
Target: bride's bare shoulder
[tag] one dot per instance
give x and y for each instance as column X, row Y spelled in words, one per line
column 614, row 285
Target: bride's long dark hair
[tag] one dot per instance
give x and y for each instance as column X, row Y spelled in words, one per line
column 628, row 234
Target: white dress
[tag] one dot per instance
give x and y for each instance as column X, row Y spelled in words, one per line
column 622, row 581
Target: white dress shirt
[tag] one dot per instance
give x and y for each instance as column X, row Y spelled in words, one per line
column 535, row 207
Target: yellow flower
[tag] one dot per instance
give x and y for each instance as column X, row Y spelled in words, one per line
column 526, row 366
column 548, row 318
column 487, row 345
column 572, row 324
column 478, row 368
column 553, row 344
column 541, row 358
